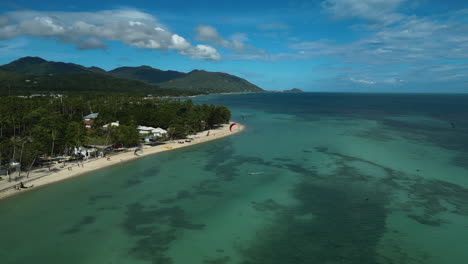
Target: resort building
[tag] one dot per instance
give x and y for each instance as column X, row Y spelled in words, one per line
column 88, row 120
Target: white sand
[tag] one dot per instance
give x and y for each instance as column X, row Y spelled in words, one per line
column 41, row 177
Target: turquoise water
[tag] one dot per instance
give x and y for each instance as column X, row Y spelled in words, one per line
column 339, row 178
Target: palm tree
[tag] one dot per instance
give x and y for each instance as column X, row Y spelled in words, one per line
column 54, row 136
column 25, row 140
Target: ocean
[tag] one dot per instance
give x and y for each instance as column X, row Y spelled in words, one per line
column 314, row 178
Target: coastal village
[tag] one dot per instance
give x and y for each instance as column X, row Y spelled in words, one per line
column 97, row 144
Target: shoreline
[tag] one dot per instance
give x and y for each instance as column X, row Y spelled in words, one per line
column 42, row 177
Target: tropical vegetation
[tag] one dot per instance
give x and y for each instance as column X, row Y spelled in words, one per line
column 51, row 126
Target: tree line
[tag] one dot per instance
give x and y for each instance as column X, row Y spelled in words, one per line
column 48, row 126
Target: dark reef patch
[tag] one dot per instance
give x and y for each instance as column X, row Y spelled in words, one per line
column 132, row 182
column 181, row 195
column 95, row 198
column 153, row 246
column 218, row 260
column 432, row 196
column 267, row 205
column 87, row 220
column 461, row 160
column 436, row 197
column 173, row 216
column 109, row 208
column 376, row 134
column 150, row 172
column 155, row 229
column 346, row 228
column 444, row 137
column 426, row 220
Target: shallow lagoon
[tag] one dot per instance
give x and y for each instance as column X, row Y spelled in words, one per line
column 340, row 178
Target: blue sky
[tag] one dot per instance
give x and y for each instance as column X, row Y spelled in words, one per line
column 327, row 45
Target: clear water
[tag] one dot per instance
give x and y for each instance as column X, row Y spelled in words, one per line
column 340, row 178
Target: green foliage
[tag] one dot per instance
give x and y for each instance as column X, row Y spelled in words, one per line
column 52, row 126
column 177, row 131
column 146, row 74
column 218, row 115
column 125, row 135
column 75, row 134
column 77, row 83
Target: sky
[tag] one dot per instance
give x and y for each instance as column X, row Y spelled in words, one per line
column 325, row 45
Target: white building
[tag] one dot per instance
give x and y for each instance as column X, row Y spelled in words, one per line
column 156, row 132
column 113, row 124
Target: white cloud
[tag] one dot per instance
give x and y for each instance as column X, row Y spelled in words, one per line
column 202, row 52
column 431, row 50
column 376, row 11
column 209, row 34
column 414, row 40
column 240, row 37
column 91, row 43
column 89, row 30
column 362, row 81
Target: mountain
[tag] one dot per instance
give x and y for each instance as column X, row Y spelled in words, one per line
column 34, row 72
column 211, row 82
column 39, row 66
column 12, row 83
column 146, row 74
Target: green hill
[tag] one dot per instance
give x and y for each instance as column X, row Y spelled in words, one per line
column 146, row 74
column 39, row 66
column 12, row 83
column 34, row 74
column 211, row 82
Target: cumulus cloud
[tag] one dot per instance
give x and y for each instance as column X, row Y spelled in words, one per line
column 89, row 30
column 90, row 43
column 209, row 34
column 202, row 52
column 376, row 11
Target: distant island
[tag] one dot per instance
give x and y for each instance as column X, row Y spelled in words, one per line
column 36, row 75
column 293, row 90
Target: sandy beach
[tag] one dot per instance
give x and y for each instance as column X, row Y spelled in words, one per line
column 44, row 176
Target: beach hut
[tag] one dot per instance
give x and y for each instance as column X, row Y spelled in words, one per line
column 144, row 130
column 159, row 132
column 88, row 120
column 156, row 132
column 91, row 116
